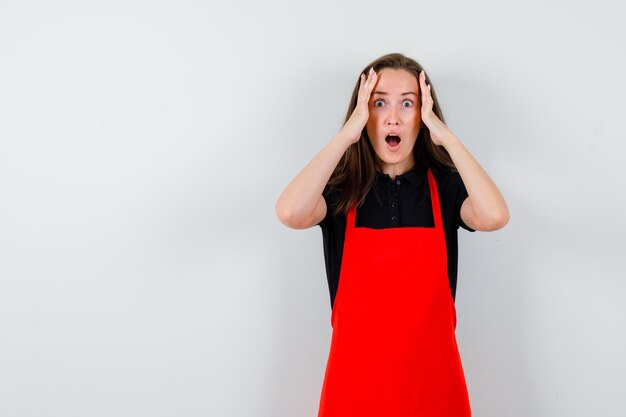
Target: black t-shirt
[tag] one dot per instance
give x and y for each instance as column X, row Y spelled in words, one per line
column 402, row 202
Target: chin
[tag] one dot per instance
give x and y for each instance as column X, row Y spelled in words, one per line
column 393, row 159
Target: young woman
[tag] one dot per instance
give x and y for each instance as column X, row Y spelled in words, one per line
column 389, row 192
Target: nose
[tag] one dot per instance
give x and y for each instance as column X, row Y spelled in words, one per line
column 392, row 116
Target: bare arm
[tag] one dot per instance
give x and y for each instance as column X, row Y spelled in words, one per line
column 301, row 205
column 484, row 209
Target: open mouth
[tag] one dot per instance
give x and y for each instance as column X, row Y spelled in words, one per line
column 393, row 140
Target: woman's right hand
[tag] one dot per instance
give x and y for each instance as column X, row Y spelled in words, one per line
column 355, row 124
column 301, row 204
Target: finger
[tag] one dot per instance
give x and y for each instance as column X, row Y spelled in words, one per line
column 422, row 87
column 361, row 82
column 367, row 80
column 425, row 87
column 368, row 86
column 428, row 100
column 362, row 88
column 371, row 80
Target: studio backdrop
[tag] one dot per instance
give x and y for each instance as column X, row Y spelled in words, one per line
column 143, row 146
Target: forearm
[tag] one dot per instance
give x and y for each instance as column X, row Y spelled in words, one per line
column 299, row 199
column 489, row 208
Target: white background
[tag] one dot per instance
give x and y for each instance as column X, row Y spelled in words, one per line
column 143, row 145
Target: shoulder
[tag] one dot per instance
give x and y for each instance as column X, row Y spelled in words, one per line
column 449, row 182
column 446, row 177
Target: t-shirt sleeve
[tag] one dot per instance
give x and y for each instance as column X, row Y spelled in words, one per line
column 452, row 194
column 460, row 194
column 328, row 196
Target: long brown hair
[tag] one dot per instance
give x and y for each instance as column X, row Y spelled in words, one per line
column 355, row 173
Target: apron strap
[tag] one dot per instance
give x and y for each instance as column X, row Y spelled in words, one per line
column 434, row 199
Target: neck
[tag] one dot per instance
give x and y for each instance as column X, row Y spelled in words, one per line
column 399, row 168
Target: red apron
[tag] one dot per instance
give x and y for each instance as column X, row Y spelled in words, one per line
column 393, row 351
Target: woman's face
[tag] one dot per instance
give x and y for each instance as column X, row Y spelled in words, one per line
column 394, row 119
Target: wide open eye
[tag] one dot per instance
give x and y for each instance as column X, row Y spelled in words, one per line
column 407, row 103
column 379, row 103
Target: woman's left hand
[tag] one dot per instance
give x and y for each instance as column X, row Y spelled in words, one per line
column 439, row 132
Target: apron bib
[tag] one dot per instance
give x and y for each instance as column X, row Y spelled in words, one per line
column 393, row 350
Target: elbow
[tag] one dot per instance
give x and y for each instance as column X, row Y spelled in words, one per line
column 489, row 221
column 286, row 216
column 496, row 221
column 282, row 213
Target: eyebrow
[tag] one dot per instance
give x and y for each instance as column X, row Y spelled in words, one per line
column 403, row 94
